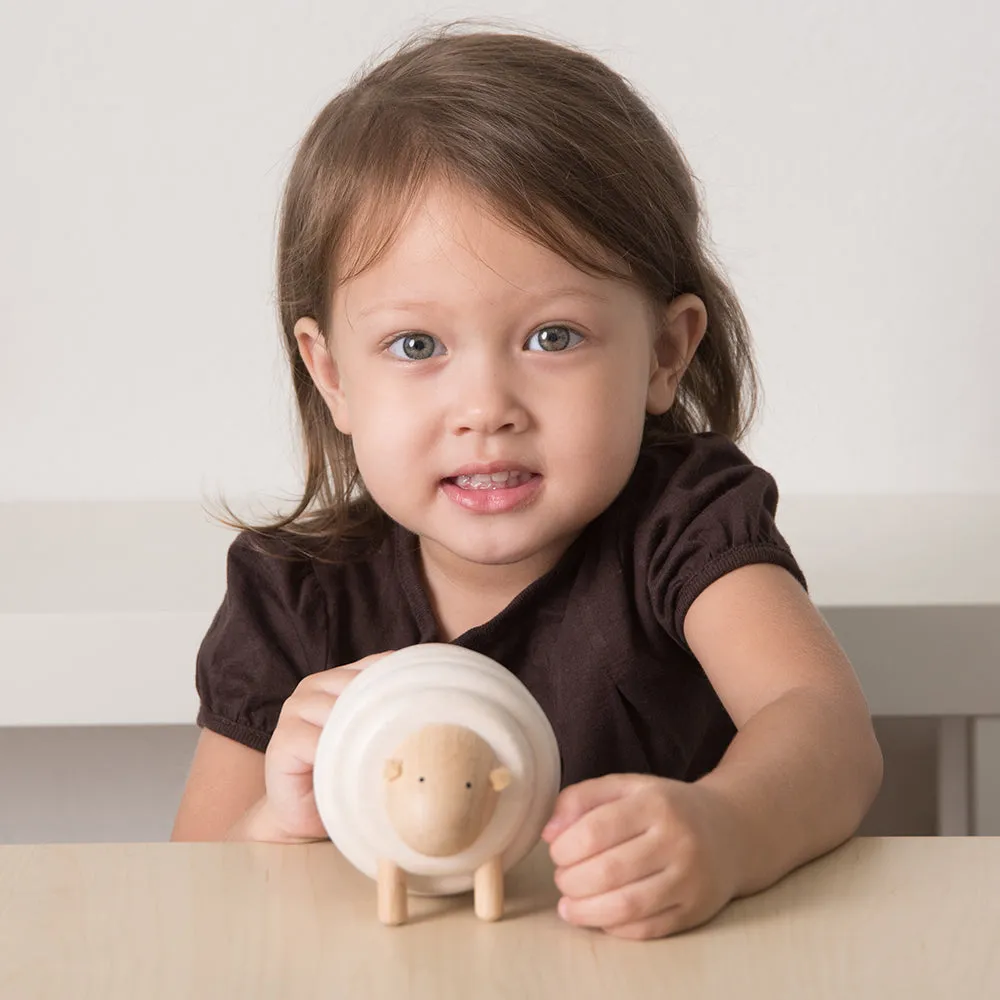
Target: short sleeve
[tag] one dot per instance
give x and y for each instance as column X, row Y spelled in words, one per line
column 712, row 511
column 269, row 632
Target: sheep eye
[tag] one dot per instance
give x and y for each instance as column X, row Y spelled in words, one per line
column 468, row 784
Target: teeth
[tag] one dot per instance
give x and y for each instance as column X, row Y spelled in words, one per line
column 482, row 481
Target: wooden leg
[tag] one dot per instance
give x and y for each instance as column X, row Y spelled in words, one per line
column 391, row 893
column 954, row 778
column 489, row 890
column 986, row 777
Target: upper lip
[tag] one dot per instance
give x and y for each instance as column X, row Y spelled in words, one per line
column 488, row 468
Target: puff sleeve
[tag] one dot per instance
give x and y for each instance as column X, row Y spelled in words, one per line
column 269, row 632
column 711, row 511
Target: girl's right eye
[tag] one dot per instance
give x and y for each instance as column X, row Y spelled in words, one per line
column 415, row 347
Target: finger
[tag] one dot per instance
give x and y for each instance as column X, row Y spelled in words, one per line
column 322, row 691
column 599, row 830
column 313, row 707
column 575, row 800
column 288, row 778
column 611, row 869
column 294, row 805
column 367, row 661
column 292, row 749
column 310, row 705
column 334, row 680
column 625, row 905
column 668, row 921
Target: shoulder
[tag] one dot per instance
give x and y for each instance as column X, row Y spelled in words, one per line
column 696, row 509
column 268, row 565
column 271, row 587
column 683, row 476
column 694, row 455
column 284, row 584
column 290, row 609
column 278, row 609
column 308, row 579
column 296, row 555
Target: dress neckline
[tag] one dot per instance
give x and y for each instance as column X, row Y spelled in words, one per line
column 405, row 546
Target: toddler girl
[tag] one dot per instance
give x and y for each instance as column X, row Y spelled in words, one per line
column 520, row 379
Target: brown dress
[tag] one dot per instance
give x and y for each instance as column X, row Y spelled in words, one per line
column 598, row 640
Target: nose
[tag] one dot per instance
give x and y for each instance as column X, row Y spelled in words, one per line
column 487, row 398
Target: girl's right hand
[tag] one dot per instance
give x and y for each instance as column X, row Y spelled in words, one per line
column 289, row 804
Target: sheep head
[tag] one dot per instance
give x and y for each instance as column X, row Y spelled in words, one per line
column 442, row 785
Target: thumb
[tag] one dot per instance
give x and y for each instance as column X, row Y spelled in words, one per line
column 576, row 800
column 371, row 659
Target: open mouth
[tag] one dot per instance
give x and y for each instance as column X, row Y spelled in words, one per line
column 493, row 493
column 492, row 481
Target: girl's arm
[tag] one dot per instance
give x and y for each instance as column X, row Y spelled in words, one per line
column 234, row 792
column 225, row 781
column 804, row 766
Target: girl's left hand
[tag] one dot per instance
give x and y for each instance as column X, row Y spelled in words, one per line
column 641, row 856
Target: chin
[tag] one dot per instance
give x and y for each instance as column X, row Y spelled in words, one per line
column 500, row 551
column 491, row 553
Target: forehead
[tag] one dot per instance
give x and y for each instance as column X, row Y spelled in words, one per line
column 450, row 233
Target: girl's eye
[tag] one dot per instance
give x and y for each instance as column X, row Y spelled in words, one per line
column 555, row 338
column 421, row 346
column 416, row 347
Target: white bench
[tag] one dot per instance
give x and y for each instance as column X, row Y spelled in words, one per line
column 911, row 586
column 103, row 606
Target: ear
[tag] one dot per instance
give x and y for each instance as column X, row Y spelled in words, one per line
column 500, row 778
column 685, row 320
column 323, row 369
column 393, row 769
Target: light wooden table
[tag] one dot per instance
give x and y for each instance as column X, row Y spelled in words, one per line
column 877, row 918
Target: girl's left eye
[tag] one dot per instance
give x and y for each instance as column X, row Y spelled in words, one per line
column 416, row 347
column 555, row 338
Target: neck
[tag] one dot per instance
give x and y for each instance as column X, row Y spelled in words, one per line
column 465, row 594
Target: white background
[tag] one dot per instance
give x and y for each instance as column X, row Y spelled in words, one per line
column 849, row 157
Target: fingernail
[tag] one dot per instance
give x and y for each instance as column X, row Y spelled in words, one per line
column 563, row 904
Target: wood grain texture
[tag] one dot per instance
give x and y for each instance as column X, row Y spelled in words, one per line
column 879, row 918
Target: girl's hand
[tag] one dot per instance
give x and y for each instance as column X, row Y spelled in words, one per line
column 291, row 753
column 641, row 856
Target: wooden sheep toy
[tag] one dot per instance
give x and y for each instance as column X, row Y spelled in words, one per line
column 435, row 774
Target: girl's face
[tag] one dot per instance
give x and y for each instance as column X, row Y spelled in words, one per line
column 468, row 349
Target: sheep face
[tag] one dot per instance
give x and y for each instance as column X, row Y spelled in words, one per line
column 442, row 785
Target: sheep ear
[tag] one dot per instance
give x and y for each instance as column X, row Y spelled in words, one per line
column 500, row 778
column 393, row 769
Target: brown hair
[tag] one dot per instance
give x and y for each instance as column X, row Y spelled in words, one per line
column 563, row 148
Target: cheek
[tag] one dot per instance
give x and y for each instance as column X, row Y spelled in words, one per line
column 599, row 429
column 603, row 442
column 608, row 405
column 388, row 434
column 378, row 408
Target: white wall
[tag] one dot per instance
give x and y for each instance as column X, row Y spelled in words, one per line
column 850, row 157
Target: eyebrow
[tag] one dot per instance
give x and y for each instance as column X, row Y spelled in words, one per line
column 412, row 304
